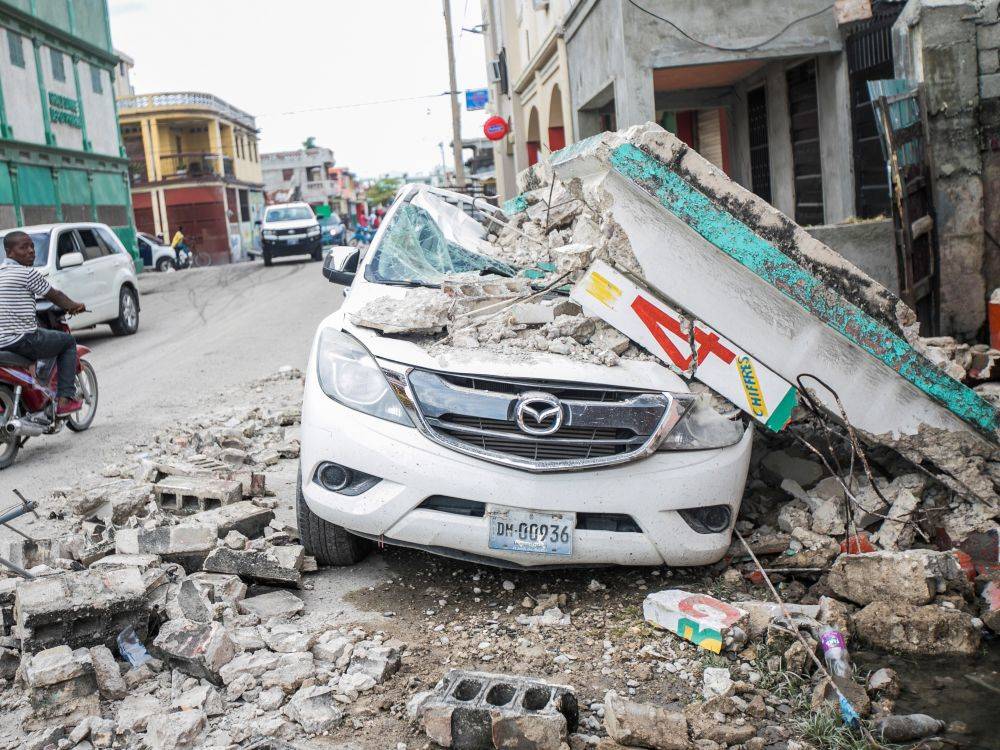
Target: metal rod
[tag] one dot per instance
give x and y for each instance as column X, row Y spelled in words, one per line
column 17, row 569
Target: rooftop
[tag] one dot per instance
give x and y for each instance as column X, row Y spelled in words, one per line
column 185, row 100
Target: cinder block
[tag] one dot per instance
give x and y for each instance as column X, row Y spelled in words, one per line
column 482, row 711
column 186, row 545
column 989, row 86
column 27, row 553
column 183, row 495
column 243, row 516
column 61, row 684
column 80, row 608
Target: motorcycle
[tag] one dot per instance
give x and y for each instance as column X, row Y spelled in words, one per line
column 183, row 258
column 28, row 392
column 362, row 236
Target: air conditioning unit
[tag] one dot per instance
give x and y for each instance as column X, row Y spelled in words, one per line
column 494, row 71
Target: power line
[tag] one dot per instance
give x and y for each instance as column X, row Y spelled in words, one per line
column 355, row 105
column 729, row 49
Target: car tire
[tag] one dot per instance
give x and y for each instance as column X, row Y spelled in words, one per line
column 9, row 446
column 164, row 263
column 127, row 321
column 330, row 544
column 267, row 258
column 317, row 254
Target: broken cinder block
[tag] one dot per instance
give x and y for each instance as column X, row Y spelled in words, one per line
column 61, row 685
column 256, row 565
column 177, row 494
column 913, row 576
column 483, row 710
column 80, row 608
column 243, row 516
column 186, row 545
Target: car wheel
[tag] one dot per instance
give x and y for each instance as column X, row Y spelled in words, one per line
column 330, row 544
column 9, row 444
column 164, row 263
column 127, row 321
column 267, row 258
column 317, row 254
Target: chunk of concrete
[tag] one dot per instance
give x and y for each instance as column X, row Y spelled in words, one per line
column 29, row 553
column 699, row 618
column 55, row 665
column 135, row 710
column 80, row 608
column 142, row 562
column 378, row 661
column 315, row 709
column 931, row 630
column 271, row 604
column 913, row 576
column 61, row 685
column 195, row 648
column 195, row 602
column 108, row 674
column 201, row 698
column 224, row 588
column 243, row 517
column 184, row 495
column 252, row 664
column 644, row 724
column 253, row 565
column 180, row 730
column 187, row 545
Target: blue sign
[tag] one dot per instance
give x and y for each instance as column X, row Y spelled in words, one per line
column 476, row 99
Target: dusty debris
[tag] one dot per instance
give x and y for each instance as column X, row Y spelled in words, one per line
column 913, row 576
column 276, row 565
column 933, row 629
column 643, row 724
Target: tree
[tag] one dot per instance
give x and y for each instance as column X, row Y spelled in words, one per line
column 382, row 190
column 309, row 142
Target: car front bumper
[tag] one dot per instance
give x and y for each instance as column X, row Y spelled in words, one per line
column 413, row 468
column 277, row 248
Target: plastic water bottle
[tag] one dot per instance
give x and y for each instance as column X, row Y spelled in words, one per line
column 131, row 647
column 838, row 664
column 835, row 653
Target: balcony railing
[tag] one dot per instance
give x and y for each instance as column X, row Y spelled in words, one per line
column 326, row 187
column 188, row 167
column 189, row 99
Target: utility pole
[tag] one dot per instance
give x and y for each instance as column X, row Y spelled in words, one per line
column 456, row 113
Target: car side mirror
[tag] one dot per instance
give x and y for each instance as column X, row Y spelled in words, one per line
column 69, row 260
column 341, row 275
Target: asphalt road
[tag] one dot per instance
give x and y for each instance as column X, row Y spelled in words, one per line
column 201, row 331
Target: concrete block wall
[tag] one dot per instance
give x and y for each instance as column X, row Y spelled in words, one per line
column 988, row 44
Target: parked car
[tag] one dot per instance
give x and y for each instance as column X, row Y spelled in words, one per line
column 290, row 229
column 89, row 263
column 334, row 231
column 519, row 461
column 154, row 253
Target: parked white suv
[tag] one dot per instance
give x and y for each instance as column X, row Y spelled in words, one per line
column 89, row 263
column 527, row 460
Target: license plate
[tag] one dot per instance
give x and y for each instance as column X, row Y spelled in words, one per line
column 291, row 240
column 531, row 531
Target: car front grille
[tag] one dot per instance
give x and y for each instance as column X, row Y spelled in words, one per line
column 476, row 415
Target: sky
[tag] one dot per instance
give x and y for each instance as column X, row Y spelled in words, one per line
column 301, row 67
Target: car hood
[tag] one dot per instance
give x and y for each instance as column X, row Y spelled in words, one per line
column 292, row 224
column 629, row 373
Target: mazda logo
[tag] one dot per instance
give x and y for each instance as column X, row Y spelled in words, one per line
column 538, row 413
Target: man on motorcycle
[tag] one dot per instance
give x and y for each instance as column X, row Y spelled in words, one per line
column 20, row 284
column 178, row 244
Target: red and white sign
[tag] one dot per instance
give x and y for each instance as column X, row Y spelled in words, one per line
column 496, row 128
column 686, row 345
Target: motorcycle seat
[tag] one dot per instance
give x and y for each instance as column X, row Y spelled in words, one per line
column 9, row 359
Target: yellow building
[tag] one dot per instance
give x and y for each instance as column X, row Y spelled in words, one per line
column 194, row 164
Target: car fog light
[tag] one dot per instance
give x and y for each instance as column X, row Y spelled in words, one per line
column 712, row 519
column 335, row 477
column 342, row 480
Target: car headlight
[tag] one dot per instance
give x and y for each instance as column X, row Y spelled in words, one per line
column 270, row 234
column 313, row 231
column 350, row 376
column 702, row 428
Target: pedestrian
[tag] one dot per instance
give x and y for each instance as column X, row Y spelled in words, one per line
column 178, row 244
column 20, row 284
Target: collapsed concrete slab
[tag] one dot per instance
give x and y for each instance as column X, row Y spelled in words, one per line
column 84, row 608
column 187, row 545
column 726, row 257
column 243, row 516
column 257, row 565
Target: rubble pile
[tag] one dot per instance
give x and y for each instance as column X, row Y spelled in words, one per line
column 156, row 622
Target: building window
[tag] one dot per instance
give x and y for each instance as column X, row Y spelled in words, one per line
column 760, row 152
column 95, row 80
column 58, row 67
column 244, row 206
column 286, row 174
column 803, row 108
column 16, row 48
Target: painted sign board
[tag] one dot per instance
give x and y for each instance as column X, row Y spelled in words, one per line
column 476, row 99
column 495, row 128
column 699, row 618
column 686, row 345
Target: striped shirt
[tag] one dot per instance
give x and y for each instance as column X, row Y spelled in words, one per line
column 19, row 285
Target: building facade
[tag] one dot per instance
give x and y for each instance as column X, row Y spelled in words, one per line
column 527, row 59
column 302, row 175
column 193, row 163
column 61, row 156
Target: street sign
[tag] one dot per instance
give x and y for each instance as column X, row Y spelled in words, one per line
column 495, row 128
column 476, row 99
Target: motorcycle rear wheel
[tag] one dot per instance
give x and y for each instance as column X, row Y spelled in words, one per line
column 9, row 444
column 86, row 387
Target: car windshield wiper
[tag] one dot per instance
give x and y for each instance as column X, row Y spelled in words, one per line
column 406, row 283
